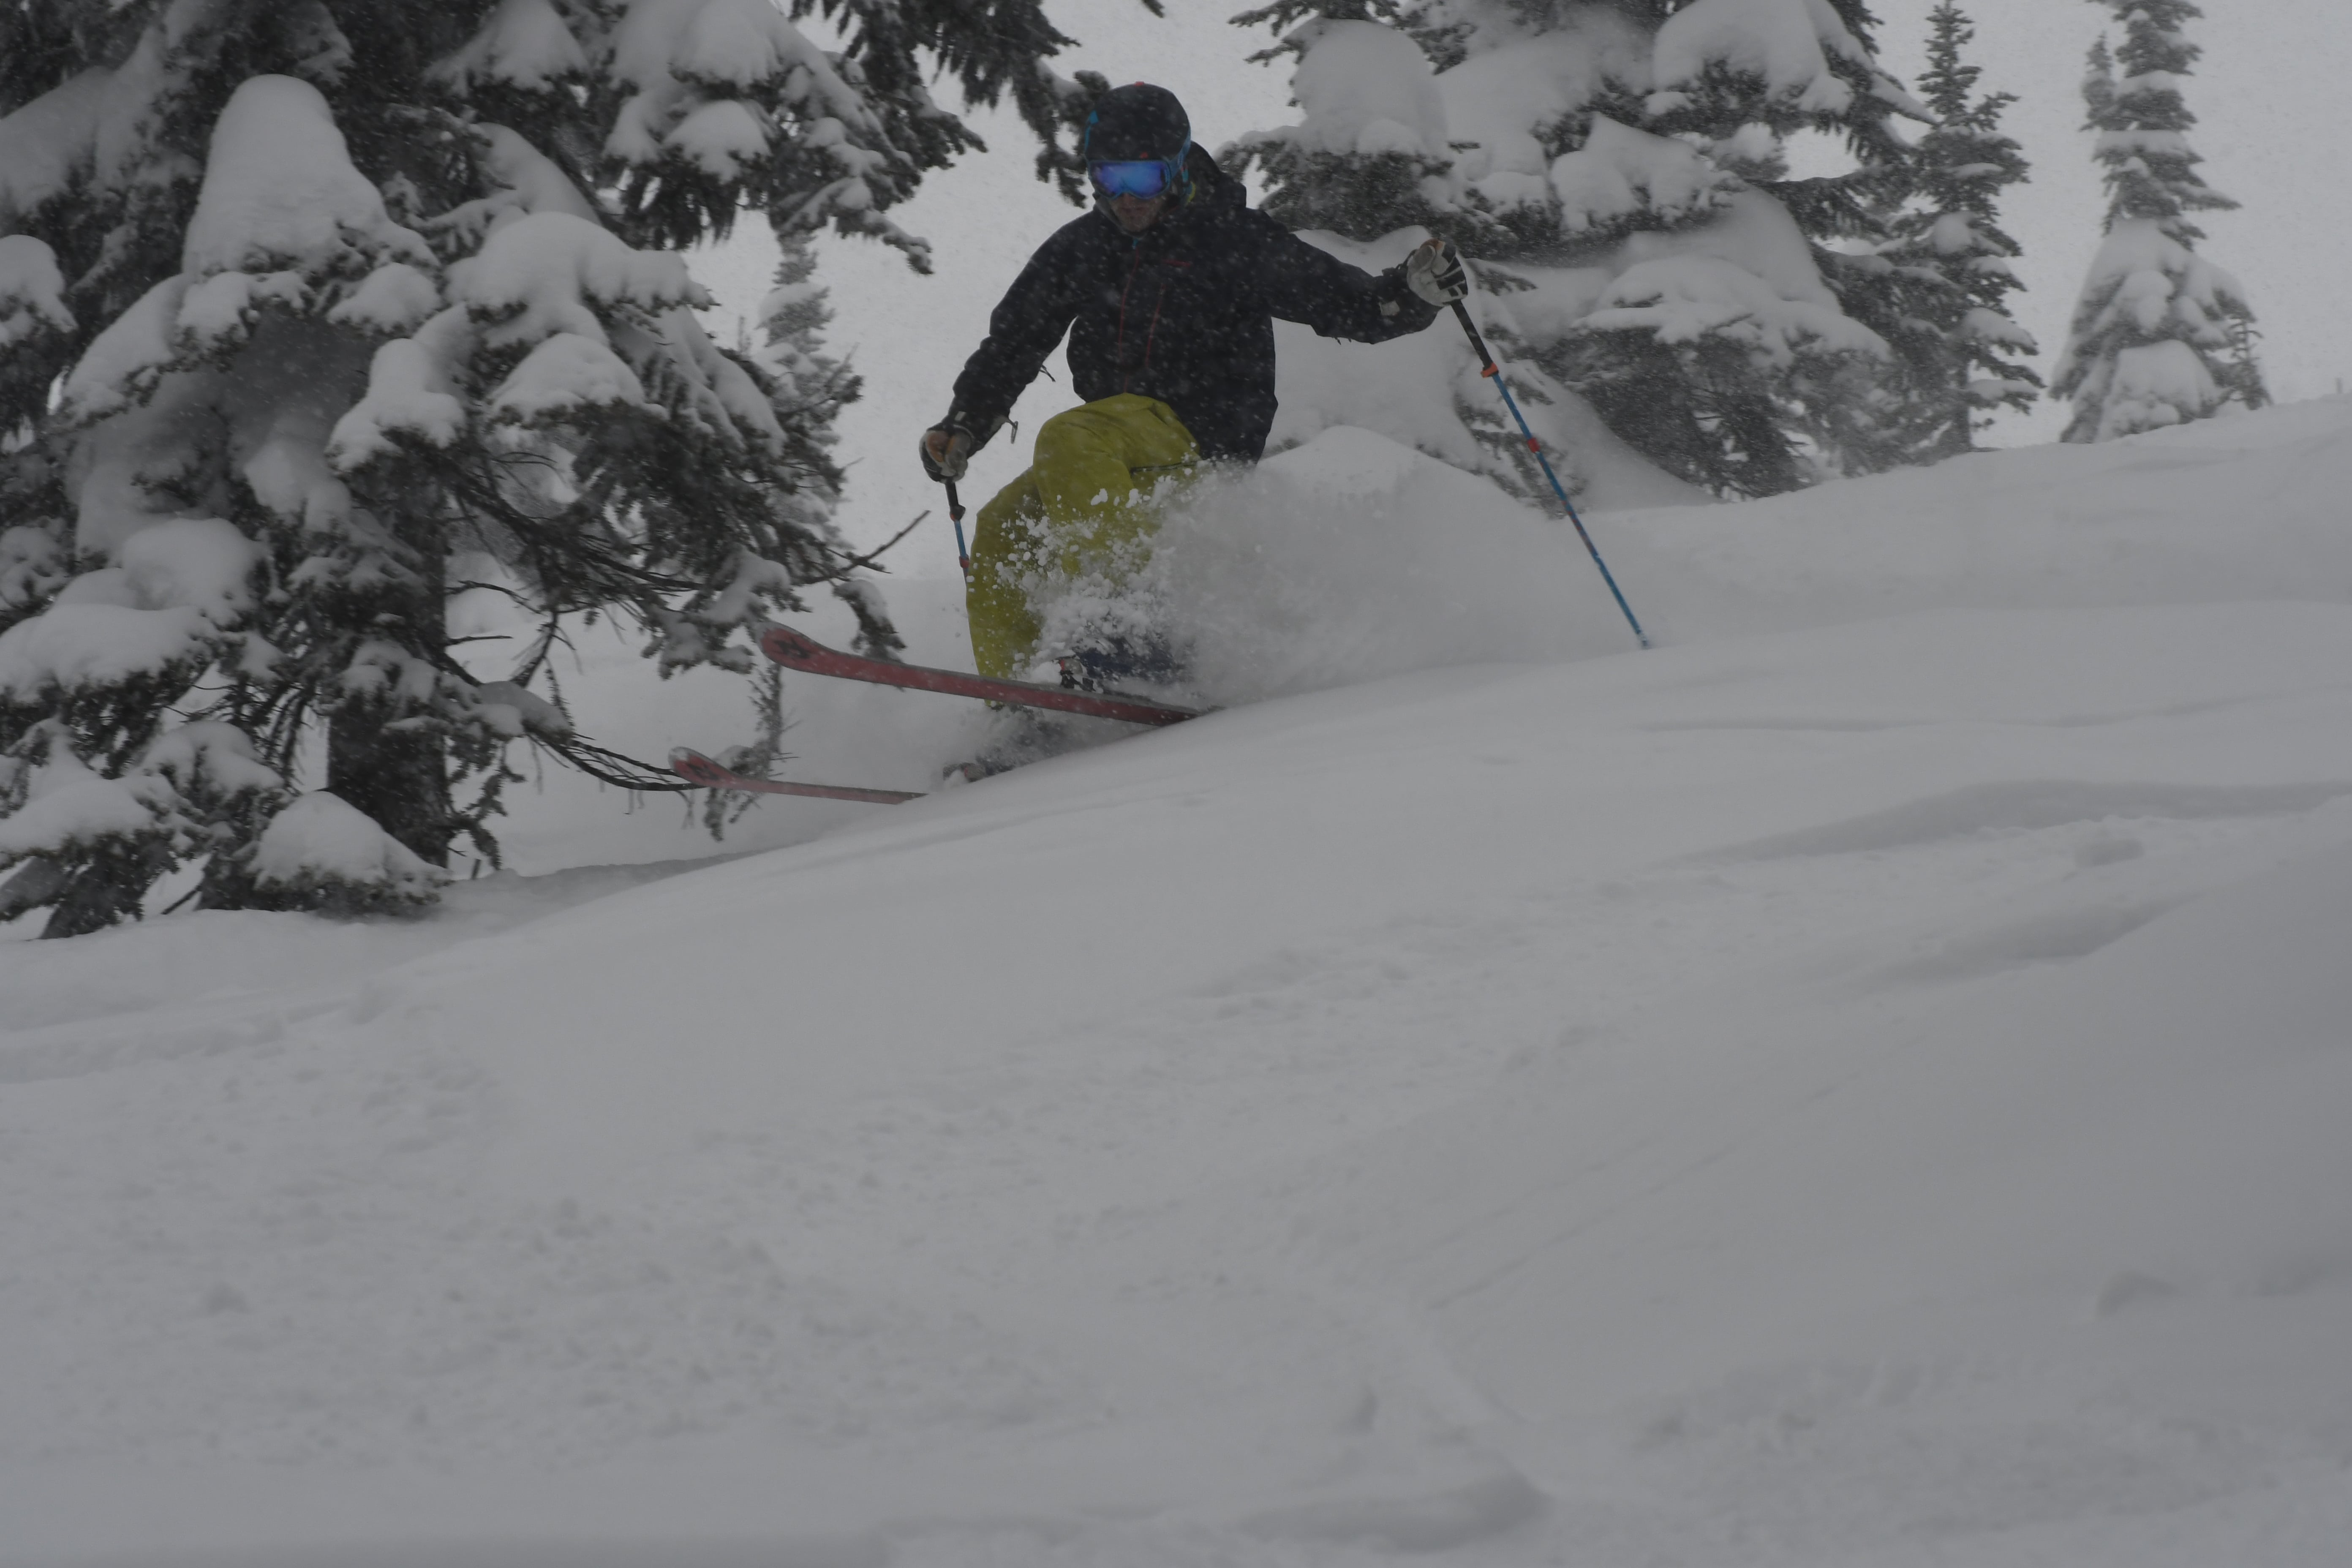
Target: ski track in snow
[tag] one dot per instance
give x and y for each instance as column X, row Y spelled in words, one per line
column 1863, row 1085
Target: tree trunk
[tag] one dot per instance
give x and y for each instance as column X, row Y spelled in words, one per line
column 103, row 891
column 399, row 777
column 37, row 881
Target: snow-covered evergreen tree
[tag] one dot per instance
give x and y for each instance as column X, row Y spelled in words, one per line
column 1958, row 350
column 1357, row 166
column 810, row 386
column 1612, row 169
column 302, row 305
column 807, row 385
column 2160, row 335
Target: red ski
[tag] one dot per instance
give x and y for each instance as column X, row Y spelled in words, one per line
column 794, row 651
column 696, row 769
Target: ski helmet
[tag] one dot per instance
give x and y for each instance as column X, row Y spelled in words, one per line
column 1137, row 122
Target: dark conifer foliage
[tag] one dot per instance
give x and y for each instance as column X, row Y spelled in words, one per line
column 1654, row 165
column 1948, row 269
column 313, row 314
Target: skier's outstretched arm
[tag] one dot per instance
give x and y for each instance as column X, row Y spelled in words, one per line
column 1317, row 289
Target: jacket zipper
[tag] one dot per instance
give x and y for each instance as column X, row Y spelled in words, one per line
column 1118, row 349
column 1153, row 332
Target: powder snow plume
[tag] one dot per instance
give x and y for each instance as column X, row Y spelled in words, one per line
column 1353, row 557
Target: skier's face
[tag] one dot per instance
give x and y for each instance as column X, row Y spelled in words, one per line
column 1135, row 214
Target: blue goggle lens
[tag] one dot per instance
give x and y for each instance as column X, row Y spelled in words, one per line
column 1147, row 178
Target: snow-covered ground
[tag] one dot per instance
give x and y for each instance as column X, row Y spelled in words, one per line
column 1866, row 1083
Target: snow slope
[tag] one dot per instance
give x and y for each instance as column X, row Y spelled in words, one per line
column 1862, row 1084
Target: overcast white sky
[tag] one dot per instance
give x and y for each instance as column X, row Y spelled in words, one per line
column 2269, row 93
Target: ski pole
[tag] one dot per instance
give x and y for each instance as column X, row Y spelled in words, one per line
column 1494, row 373
column 955, row 515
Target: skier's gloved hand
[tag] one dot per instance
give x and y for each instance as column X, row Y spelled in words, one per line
column 1433, row 271
column 947, row 448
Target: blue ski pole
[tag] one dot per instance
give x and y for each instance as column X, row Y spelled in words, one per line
column 1494, row 373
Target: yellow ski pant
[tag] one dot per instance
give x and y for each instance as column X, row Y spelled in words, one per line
column 1081, row 507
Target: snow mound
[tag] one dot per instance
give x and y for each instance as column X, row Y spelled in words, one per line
column 321, row 845
column 546, row 271
column 69, row 806
column 533, row 182
column 2154, row 519
column 32, row 291
column 209, row 757
column 177, row 583
column 565, row 374
column 412, row 390
column 677, row 52
column 128, row 355
column 200, row 562
column 1683, row 299
column 523, row 44
column 1787, row 43
column 392, row 299
column 280, row 193
column 1621, row 172
column 1365, row 89
column 83, row 643
column 44, row 144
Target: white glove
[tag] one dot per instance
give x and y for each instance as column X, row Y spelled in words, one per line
column 1433, row 271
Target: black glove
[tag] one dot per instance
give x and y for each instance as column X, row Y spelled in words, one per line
column 948, row 445
column 1433, row 272
column 945, row 450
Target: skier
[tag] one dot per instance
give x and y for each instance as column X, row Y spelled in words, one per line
column 1168, row 289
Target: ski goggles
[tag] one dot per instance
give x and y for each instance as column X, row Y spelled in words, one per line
column 1145, row 177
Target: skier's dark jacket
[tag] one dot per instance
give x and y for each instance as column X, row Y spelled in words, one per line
column 1182, row 312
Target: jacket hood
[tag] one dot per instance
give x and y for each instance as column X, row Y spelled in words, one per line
column 1212, row 186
